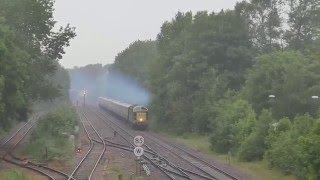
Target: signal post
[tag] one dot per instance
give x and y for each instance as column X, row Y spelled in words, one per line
column 138, row 152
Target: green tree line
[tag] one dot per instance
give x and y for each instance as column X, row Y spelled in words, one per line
column 213, row 73
column 29, row 52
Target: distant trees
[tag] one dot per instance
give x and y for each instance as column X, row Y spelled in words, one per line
column 304, row 22
column 265, row 23
column 136, row 60
column 29, row 51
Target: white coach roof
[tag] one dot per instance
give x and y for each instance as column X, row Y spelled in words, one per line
column 116, row 102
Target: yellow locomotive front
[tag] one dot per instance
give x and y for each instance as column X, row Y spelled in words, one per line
column 141, row 117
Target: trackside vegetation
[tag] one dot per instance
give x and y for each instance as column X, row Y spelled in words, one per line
column 51, row 139
column 30, row 49
column 247, row 78
column 14, row 175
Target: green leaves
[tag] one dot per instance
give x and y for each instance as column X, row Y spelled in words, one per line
column 289, row 76
column 235, row 121
column 199, row 57
column 304, row 22
column 51, row 133
column 296, row 150
column 29, row 50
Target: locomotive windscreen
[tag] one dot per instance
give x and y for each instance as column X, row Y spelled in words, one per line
column 141, row 116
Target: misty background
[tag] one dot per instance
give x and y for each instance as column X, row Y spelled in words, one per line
column 99, row 81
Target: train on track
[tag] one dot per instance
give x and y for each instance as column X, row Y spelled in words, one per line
column 134, row 114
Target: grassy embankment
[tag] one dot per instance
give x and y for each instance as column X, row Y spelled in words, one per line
column 14, row 175
column 258, row 170
column 51, row 139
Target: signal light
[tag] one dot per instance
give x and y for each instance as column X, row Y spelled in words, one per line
column 25, row 161
column 79, row 150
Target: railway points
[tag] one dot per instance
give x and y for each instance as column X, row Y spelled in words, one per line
column 88, row 164
column 9, row 145
column 156, row 155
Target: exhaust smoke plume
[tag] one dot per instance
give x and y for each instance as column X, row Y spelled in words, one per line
column 97, row 81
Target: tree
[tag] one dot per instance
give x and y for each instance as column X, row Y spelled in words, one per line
column 265, row 23
column 254, row 146
column 29, row 54
column 32, row 23
column 193, row 50
column 304, row 23
column 235, row 121
column 291, row 77
column 12, row 63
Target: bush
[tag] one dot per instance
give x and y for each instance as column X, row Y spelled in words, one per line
column 51, row 135
column 295, row 148
column 254, row 146
column 235, row 122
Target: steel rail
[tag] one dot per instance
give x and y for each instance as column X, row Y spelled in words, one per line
column 33, row 166
column 130, row 149
column 198, row 158
column 91, row 147
column 155, row 153
column 209, row 176
column 104, row 146
column 183, row 174
column 132, row 145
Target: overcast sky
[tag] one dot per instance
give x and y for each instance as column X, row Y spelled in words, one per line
column 104, row 28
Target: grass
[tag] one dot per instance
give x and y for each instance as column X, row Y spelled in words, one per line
column 14, row 175
column 50, row 142
column 113, row 171
column 259, row 170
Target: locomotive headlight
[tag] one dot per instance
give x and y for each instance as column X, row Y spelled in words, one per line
column 141, row 117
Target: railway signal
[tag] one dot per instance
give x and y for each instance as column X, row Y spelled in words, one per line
column 84, row 97
column 25, row 161
column 79, row 150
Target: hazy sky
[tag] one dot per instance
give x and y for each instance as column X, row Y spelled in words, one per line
column 104, row 28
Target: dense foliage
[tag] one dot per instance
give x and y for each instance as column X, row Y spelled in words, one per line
column 29, row 54
column 214, row 74
column 50, row 136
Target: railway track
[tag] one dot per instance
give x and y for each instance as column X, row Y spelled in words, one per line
column 129, row 147
column 189, row 166
column 8, row 146
column 208, row 169
column 88, row 164
column 171, row 170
